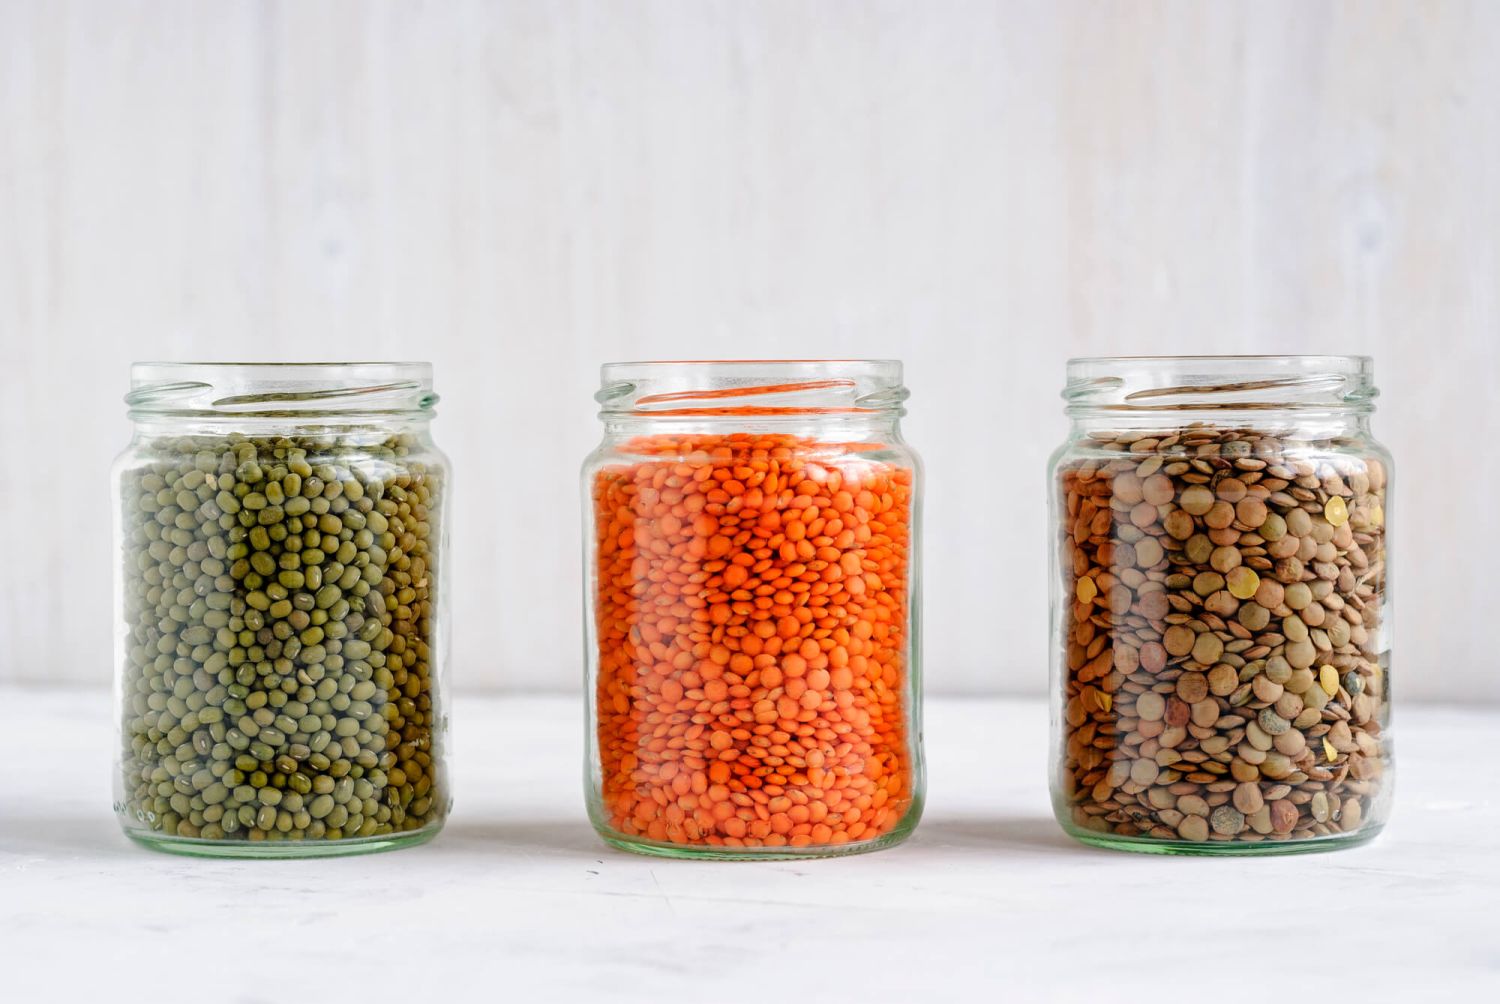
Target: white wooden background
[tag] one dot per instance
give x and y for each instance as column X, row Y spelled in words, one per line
column 520, row 191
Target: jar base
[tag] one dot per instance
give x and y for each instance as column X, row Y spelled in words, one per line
column 683, row 852
column 1215, row 848
column 199, row 848
column 701, row 852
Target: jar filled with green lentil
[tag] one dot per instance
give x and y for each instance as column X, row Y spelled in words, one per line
column 1221, row 606
column 280, row 609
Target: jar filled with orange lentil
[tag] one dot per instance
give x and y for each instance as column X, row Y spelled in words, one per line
column 752, row 610
column 1221, row 606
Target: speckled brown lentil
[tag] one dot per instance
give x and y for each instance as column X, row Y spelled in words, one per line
column 1224, row 669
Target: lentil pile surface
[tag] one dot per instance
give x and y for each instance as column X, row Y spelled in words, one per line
column 753, row 628
column 278, row 599
column 1224, row 660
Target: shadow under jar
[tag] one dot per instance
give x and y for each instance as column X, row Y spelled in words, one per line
column 279, row 609
column 1220, row 606
column 751, row 608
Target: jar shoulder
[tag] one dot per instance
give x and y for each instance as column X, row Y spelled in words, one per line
column 730, row 446
column 312, row 447
column 1188, row 444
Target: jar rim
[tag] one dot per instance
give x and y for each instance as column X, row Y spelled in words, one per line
column 886, row 367
column 1142, row 384
column 280, row 389
column 1248, row 357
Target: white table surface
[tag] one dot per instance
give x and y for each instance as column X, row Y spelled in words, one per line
column 517, row 901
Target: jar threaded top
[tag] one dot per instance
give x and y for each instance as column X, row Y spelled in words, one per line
column 1153, row 384
column 751, row 387
column 301, row 390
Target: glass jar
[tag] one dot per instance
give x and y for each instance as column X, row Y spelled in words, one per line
column 279, row 603
column 752, row 607
column 1220, row 605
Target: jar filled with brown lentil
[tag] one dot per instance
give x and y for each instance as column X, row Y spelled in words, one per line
column 752, row 610
column 1220, row 613
column 279, row 608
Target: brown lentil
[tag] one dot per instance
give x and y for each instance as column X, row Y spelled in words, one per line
column 1223, row 666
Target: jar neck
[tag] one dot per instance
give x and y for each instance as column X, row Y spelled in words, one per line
column 881, row 427
column 1281, row 423
column 348, row 429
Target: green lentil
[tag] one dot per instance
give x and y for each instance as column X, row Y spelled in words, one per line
column 278, row 606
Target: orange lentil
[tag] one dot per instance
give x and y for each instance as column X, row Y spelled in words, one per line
column 751, row 610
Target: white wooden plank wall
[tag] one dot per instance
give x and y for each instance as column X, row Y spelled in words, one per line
column 519, row 191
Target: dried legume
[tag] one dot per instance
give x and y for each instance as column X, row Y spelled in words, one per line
column 1224, row 656
column 278, row 603
column 752, row 620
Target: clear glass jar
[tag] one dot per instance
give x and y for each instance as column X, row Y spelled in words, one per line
column 1220, row 605
column 279, row 603
column 752, row 597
